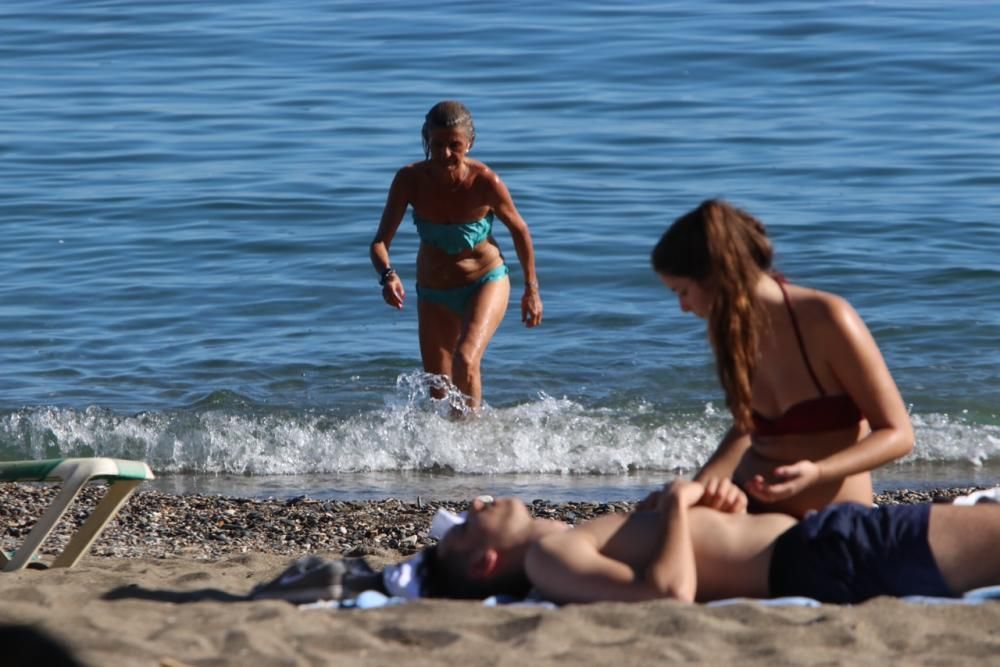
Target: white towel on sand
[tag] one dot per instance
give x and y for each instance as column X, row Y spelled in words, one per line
column 976, row 497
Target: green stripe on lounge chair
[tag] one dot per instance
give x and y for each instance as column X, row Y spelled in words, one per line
column 27, row 471
column 129, row 470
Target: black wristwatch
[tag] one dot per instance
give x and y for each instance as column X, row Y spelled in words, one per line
column 386, row 272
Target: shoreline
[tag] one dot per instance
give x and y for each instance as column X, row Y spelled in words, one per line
column 558, row 487
column 154, row 524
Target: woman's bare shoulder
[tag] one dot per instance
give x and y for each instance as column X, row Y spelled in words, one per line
column 412, row 170
column 819, row 305
column 410, row 179
column 828, row 316
column 483, row 174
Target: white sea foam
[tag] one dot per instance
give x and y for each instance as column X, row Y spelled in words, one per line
column 415, row 433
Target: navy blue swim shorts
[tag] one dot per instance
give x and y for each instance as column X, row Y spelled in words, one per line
column 848, row 553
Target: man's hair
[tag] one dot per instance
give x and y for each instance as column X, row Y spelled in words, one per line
column 447, row 576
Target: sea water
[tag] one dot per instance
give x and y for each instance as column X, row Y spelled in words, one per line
column 188, row 190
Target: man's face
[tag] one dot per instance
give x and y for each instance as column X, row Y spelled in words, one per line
column 500, row 524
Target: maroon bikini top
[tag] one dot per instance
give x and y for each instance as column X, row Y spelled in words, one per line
column 814, row 415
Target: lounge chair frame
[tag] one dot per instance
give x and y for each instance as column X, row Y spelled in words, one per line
column 73, row 474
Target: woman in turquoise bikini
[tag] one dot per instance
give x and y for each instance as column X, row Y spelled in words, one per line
column 462, row 281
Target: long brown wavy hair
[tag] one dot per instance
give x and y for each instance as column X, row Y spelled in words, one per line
column 724, row 249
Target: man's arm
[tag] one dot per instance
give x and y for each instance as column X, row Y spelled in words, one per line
column 673, row 573
column 569, row 567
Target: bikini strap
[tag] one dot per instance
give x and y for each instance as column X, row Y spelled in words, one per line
column 798, row 336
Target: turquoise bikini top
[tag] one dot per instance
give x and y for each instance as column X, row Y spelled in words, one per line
column 454, row 238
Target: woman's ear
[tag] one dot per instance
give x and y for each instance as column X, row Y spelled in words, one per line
column 485, row 564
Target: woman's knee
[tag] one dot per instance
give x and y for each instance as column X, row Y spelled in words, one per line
column 466, row 360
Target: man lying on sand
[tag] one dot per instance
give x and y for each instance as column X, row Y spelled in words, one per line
column 671, row 547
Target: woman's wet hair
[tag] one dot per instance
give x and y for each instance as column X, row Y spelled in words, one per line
column 724, row 249
column 446, row 115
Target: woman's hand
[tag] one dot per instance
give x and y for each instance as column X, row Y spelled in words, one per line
column 791, row 480
column 393, row 292
column 531, row 306
column 721, row 494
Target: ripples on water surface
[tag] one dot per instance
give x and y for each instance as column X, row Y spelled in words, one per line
column 187, row 191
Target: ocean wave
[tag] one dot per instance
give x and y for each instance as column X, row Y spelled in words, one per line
column 228, row 434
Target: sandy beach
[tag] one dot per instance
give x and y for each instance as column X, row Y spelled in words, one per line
column 159, row 589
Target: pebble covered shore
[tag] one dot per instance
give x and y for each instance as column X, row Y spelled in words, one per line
column 159, row 525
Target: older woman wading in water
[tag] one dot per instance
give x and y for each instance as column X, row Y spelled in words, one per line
column 462, row 281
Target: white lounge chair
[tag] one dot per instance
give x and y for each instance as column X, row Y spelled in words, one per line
column 122, row 476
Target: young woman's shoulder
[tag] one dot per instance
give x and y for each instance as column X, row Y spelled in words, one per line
column 825, row 312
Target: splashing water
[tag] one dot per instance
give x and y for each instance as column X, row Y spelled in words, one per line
column 229, row 434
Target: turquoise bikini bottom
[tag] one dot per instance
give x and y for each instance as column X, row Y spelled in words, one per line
column 456, row 299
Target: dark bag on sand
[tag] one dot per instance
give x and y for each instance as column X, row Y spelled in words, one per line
column 312, row 578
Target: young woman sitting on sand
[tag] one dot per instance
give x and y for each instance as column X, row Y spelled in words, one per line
column 814, row 406
column 674, row 546
column 462, row 280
